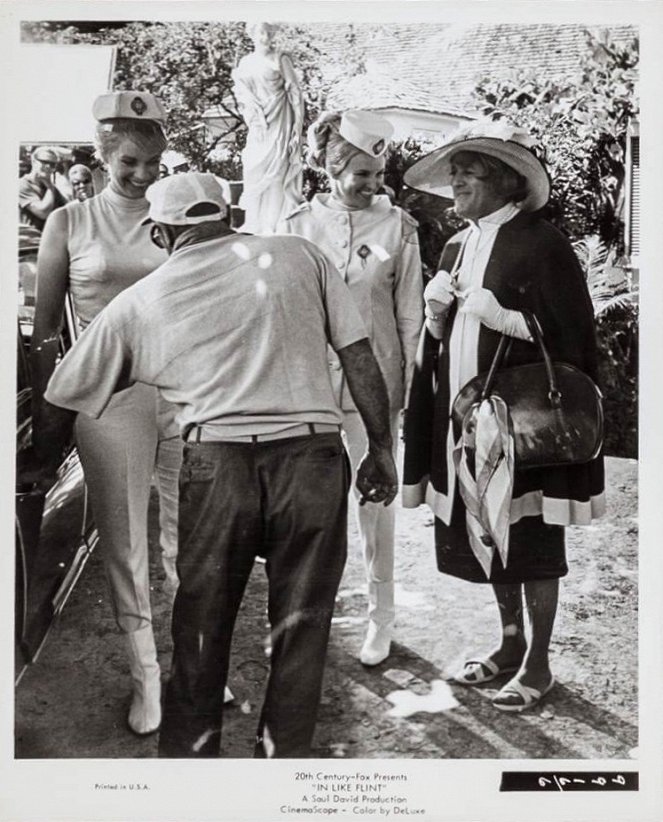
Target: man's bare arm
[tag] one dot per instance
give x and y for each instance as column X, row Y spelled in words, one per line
column 377, row 479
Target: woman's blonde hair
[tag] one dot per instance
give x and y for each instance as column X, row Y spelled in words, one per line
column 327, row 150
column 110, row 133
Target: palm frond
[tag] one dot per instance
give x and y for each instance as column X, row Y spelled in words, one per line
column 593, row 254
column 608, row 284
column 606, row 304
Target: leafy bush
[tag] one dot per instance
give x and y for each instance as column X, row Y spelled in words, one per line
column 617, row 335
column 615, row 300
column 581, row 123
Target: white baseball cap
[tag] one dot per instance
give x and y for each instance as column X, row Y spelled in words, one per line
column 366, row 131
column 186, row 199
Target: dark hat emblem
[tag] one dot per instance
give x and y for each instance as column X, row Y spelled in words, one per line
column 138, row 105
column 378, row 147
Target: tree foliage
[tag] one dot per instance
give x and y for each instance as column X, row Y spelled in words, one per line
column 189, row 66
column 582, row 124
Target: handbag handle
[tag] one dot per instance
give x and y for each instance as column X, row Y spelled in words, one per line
column 554, row 394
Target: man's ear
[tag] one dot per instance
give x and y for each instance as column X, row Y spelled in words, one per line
column 169, row 236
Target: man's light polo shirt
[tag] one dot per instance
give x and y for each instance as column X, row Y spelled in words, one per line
column 234, row 332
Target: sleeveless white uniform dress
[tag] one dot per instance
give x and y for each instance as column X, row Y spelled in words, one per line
column 110, row 250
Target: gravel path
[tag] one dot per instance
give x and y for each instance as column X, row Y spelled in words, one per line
column 72, row 703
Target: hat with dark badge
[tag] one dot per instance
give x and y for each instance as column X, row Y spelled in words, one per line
column 128, row 105
column 366, row 131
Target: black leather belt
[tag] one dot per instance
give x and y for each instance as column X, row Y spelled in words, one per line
column 196, row 433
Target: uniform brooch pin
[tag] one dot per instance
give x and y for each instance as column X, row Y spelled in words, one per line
column 363, row 251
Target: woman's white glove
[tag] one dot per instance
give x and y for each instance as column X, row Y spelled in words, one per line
column 483, row 304
column 439, row 295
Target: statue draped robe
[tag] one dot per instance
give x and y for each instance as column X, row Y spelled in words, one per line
column 271, row 103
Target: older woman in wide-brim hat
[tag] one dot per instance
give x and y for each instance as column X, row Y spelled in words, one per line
column 507, row 263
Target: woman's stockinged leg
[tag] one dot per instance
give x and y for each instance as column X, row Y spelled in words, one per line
column 512, row 643
column 541, row 597
column 534, row 679
column 507, row 655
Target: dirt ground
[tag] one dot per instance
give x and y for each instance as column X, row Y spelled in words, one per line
column 72, row 703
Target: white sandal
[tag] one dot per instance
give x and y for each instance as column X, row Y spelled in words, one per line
column 463, row 677
column 530, row 696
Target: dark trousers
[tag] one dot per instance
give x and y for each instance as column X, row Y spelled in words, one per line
column 285, row 500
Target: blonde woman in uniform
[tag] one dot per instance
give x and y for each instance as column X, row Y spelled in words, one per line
column 95, row 249
column 374, row 246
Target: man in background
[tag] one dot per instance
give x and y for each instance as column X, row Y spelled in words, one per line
column 37, row 194
column 80, row 178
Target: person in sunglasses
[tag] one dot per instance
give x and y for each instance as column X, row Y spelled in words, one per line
column 233, row 329
column 37, row 194
column 94, row 250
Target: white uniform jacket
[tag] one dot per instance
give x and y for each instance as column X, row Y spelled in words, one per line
column 376, row 251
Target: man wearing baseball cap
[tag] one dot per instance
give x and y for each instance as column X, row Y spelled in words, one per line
column 233, row 329
column 37, row 194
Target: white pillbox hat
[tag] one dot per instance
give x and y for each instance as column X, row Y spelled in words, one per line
column 131, row 105
column 366, row 131
column 175, row 200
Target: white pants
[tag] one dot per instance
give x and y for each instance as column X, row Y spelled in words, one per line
column 119, row 453
column 376, row 523
column 167, row 476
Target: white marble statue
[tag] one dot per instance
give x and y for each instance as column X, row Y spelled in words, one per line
column 271, row 103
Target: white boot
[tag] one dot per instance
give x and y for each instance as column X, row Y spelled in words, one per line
column 145, row 711
column 381, row 614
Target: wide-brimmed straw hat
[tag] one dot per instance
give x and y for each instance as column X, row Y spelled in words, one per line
column 513, row 146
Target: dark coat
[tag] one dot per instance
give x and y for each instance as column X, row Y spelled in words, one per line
column 532, row 267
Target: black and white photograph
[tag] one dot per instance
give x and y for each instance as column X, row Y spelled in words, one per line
column 334, row 432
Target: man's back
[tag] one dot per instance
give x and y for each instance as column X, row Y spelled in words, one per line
column 235, row 330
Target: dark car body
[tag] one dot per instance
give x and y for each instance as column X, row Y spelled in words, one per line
column 55, row 534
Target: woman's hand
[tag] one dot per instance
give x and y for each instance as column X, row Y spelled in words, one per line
column 484, row 305
column 439, row 295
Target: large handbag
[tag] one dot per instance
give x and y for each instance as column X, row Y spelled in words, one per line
column 556, row 410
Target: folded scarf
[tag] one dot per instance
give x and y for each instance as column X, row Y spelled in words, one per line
column 484, row 460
